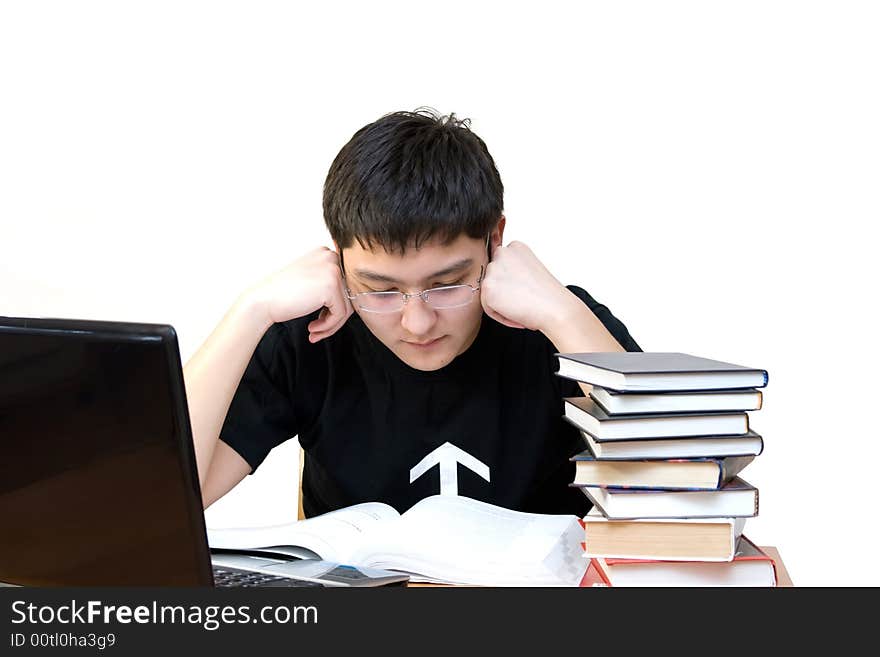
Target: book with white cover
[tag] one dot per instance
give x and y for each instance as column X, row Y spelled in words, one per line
column 657, row 371
column 621, row 403
column 737, row 498
column 589, row 416
column 750, row 443
column 443, row 538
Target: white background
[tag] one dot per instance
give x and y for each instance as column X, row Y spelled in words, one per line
column 708, row 170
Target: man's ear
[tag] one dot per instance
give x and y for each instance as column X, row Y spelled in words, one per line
column 496, row 238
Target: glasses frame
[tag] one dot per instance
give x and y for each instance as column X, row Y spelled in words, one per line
column 423, row 295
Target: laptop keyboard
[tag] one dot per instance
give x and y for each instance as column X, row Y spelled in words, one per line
column 224, row 576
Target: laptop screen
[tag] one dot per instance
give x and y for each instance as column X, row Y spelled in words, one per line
column 97, row 475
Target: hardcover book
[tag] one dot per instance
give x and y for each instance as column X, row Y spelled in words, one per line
column 737, row 498
column 750, row 444
column 751, row 566
column 694, row 474
column 621, row 403
column 698, row 539
column 657, row 371
column 587, row 415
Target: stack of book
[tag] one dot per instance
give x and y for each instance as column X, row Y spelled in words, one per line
column 668, row 435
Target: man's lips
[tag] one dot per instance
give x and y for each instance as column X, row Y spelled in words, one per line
column 424, row 344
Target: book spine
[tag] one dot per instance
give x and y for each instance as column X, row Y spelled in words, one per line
column 761, row 441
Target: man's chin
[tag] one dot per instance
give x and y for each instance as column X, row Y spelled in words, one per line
column 428, row 362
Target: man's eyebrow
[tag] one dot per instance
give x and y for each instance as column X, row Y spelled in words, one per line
column 464, row 263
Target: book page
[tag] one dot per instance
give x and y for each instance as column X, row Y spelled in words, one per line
column 333, row 536
column 455, row 539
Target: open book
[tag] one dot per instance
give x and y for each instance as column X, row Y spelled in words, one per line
column 443, row 538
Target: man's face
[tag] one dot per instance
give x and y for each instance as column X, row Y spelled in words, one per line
column 423, row 337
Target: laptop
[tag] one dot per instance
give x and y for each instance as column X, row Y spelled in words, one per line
column 98, row 478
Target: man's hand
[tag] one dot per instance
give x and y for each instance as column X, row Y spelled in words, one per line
column 518, row 291
column 313, row 281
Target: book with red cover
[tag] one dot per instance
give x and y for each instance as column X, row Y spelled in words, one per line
column 593, row 577
column 751, row 566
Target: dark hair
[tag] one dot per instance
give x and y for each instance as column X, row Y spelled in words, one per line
column 410, row 177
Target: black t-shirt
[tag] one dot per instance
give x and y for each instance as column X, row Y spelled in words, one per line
column 375, row 429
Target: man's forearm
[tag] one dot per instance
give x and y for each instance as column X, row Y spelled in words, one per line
column 213, row 373
column 574, row 328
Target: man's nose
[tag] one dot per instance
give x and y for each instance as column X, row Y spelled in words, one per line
column 417, row 317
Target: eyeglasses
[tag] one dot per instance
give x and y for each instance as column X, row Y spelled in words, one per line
column 439, row 298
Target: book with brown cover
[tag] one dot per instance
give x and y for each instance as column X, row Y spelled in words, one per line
column 698, row 539
column 668, row 474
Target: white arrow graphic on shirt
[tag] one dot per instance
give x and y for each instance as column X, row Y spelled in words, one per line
column 448, row 456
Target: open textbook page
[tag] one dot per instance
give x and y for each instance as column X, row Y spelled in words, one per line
column 443, row 538
column 330, row 536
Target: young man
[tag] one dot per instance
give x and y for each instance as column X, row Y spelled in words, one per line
column 414, row 358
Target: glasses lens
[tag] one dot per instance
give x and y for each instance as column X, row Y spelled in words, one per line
column 380, row 302
column 450, row 297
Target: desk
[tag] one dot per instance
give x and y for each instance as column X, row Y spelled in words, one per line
column 782, row 576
